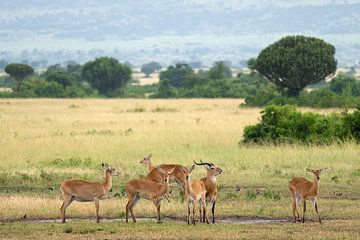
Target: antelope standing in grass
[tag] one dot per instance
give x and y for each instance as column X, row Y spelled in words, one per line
column 210, row 182
column 302, row 189
column 147, row 162
column 84, row 191
column 196, row 194
column 147, row 189
column 177, row 175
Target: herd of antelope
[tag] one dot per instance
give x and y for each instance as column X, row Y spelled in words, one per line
column 156, row 186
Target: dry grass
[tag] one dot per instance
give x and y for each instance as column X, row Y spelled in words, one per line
column 34, row 132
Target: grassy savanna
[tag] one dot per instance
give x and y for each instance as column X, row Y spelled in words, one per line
column 45, row 141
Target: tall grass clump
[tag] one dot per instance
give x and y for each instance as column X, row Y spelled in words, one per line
column 284, row 124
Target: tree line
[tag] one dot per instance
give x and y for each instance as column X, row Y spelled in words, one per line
column 282, row 73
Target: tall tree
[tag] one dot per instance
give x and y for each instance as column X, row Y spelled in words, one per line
column 294, row 62
column 220, row 70
column 19, row 72
column 106, row 74
column 176, row 74
column 150, row 68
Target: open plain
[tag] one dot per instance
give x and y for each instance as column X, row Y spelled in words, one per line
column 44, row 141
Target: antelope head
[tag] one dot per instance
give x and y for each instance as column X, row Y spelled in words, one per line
column 187, row 172
column 109, row 169
column 166, row 174
column 317, row 173
column 210, row 167
column 146, row 160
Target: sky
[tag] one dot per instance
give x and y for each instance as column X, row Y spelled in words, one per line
column 168, row 30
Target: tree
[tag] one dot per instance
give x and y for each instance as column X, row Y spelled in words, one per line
column 60, row 76
column 343, row 83
column 19, row 72
column 165, row 90
column 106, row 74
column 150, row 68
column 294, row 62
column 220, row 70
column 176, row 74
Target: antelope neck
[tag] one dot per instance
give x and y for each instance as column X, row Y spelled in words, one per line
column 108, row 181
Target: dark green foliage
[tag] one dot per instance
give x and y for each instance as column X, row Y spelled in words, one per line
column 106, row 74
column 199, row 85
column 139, row 91
column 19, row 72
column 165, row 90
column 294, row 62
column 60, row 76
column 345, row 85
column 283, row 124
column 341, row 91
column 39, row 87
column 150, row 68
column 220, row 70
column 35, row 87
column 176, row 75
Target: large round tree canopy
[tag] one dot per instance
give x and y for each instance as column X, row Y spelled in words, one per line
column 294, row 62
column 106, row 74
column 19, row 71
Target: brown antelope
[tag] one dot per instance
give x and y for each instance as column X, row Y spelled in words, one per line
column 84, row 191
column 196, row 193
column 210, row 182
column 147, row 162
column 302, row 189
column 177, row 175
column 147, row 189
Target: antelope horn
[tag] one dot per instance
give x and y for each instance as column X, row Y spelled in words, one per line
column 202, row 163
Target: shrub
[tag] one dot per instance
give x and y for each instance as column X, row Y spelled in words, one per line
column 284, row 124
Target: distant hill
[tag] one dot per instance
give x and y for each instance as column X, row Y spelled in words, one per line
column 167, row 30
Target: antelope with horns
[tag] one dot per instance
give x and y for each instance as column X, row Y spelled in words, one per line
column 84, row 191
column 302, row 189
column 147, row 189
column 210, row 182
column 177, row 175
column 196, row 193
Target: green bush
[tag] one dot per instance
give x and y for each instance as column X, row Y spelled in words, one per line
column 284, row 124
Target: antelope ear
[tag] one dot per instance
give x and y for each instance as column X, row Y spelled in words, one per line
column 309, row 170
column 104, row 165
column 160, row 170
column 323, row 170
column 191, row 168
column 150, row 155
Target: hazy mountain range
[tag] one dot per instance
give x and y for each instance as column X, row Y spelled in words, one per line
column 170, row 30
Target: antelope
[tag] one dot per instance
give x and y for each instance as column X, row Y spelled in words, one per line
column 147, row 189
column 147, row 162
column 84, row 191
column 210, row 182
column 196, row 193
column 177, row 175
column 302, row 189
